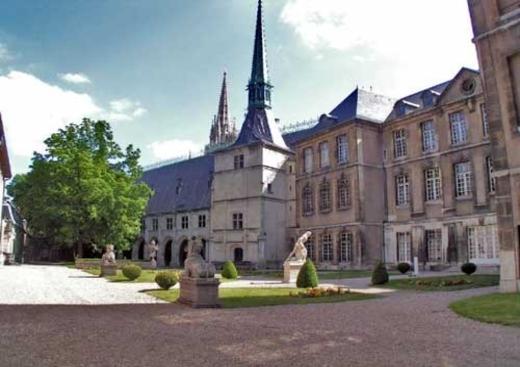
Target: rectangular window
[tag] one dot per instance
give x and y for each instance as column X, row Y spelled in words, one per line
column 326, row 248
column 342, row 149
column 433, row 240
column 463, row 179
column 492, row 182
column 432, row 182
column 307, row 200
column 404, row 247
column 514, row 70
column 185, row 222
column 155, row 224
column 458, row 128
column 238, row 221
column 169, row 224
column 202, row 221
column 324, row 155
column 344, row 197
column 311, row 249
column 402, row 190
column 482, row 242
column 400, row 149
column 345, row 247
column 325, row 197
column 429, row 137
column 485, row 123
column 239, row 161
column 307, row 158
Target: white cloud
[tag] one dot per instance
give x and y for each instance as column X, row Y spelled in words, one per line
column 75, row 78
column 175, row 148
column 32, row 110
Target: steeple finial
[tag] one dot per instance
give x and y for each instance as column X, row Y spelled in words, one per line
column 259, row 87
column 223, row 108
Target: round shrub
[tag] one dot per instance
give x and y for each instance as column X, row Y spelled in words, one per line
column 403, row 268
column 229, row 270
column 307, row 276
column 379, row 274
column 468, row 268
column 131, row 271
column 166, row 279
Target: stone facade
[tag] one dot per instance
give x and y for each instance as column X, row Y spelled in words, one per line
column 496, row 26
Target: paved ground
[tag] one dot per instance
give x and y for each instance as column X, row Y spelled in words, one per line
column 32, row 284
column 399, row 329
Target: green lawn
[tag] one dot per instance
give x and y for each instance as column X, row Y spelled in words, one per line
column 257, row 297
column 323, row 274
column 147, row 276
column 446, row 283
column 498, row 308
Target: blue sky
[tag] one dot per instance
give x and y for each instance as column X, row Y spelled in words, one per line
column 154, row 68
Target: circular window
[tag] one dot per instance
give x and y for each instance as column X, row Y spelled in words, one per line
column 468, row 86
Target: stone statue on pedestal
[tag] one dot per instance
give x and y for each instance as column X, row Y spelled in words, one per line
column 198, row 285
column 296, row 259
column 152, row 253
column 108, row 262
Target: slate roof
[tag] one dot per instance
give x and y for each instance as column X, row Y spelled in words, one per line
column 360, row 104
column 181, row 186
column 260, row 126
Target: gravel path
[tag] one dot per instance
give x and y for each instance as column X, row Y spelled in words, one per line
column 31, row 284
column 400, row 329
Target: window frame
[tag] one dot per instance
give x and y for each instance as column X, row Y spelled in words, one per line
column 324, row 154
column 346, row 247
column 404, row 247
column 327, row 248
column 402, row 190
column 308, row 160
column 459, row 129
column 325, row 202
column 342, row 149
column 429, row 137
column 400, row 143
column 238, row 221
column 432, row 184
column 463, row 180
column 307, row 200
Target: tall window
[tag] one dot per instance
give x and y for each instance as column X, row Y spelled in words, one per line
column 402, row 190
column 238, row 221
column 342, row 149
column 485, row 123
column 307, row 200
column 311, row 249
column 239, row 161
column 400, row 143
column 429, row 137
column 482, row 242
column 307, row 158
column 324, row 155
column 404, row 247
column 345, row 247
column 155, row 224
column 185, row 222
column 326, row 248
column 432, row 182
column 325, row 198
column 344, row 198
column 492, row 182
column 463, row 179
column 169, row 224
column 459, row 128
column 202, row 221
column 433, row 240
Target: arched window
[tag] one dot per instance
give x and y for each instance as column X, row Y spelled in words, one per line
column 325, row 200
column 307, row 200
column 344, row 197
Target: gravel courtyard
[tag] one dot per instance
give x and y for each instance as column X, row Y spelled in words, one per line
column 398, row 329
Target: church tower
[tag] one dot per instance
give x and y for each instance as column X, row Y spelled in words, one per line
column 223, row 132
column 253, row 198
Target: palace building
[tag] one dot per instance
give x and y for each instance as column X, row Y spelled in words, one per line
column 376, row 178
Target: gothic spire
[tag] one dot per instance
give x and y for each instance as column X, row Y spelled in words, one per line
column 223, row 108
column 222, row 131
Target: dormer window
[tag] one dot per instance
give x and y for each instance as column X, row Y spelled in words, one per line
column 429, row 98
column 405, row 107
column 178, row 188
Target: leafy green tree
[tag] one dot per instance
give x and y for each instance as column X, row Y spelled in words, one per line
column 84, row 190
column 307, row 276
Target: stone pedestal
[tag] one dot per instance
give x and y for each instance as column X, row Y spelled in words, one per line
column 199, row 292
column 291, row 270
column 107, row 270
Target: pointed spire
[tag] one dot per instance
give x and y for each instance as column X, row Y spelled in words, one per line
column 223, row 107
column 222, row 132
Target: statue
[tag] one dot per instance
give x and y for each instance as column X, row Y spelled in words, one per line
column 195, row 266
column 198, row 285
column 296, row 259
column 299, row 252
column 152, row 253
column 108, row 262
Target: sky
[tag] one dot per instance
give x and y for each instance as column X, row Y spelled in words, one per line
column 153, row 68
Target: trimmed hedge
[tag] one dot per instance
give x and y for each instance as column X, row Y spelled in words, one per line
column 131, row 271
column 229, row 270
column 307, row 276
column 468, row 268
column 404, row 268
column 380, row 274
column 166, row 279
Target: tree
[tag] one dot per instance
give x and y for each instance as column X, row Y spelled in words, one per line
column 307, row 276
column 84, row 190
